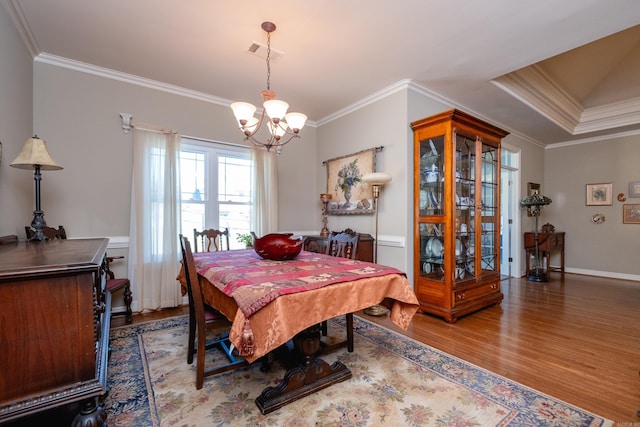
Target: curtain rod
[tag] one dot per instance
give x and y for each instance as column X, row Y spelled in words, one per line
column 213, row 141
column 127, row 124
column 378, row 149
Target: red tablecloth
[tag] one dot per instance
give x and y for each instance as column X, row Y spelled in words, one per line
column 269, row 302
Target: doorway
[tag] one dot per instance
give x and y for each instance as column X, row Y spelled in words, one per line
column 509, row 218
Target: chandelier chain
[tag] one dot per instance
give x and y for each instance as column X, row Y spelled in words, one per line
column 268, row 61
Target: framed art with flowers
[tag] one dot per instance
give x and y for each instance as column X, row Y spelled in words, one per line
column 349, row 194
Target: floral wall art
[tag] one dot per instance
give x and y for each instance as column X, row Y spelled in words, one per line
column 349, row 194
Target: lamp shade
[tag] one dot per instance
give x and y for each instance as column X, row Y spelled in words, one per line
column 376, row 178
column 296, row 121
column 275, row 108
column 243, row 111
column 34, row 153
column 535, row 200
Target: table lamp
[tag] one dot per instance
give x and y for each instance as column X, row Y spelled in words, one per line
column 324, row 198
column 534, row 203
column 34, row 155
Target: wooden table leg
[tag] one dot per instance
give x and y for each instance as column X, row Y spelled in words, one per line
column 311, row 375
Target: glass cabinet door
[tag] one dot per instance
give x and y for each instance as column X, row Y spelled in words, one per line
column 432, row 251
column 489, row 208
column 465, row 190
column 431, row 176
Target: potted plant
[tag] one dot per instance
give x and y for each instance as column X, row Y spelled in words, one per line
column 246, row 239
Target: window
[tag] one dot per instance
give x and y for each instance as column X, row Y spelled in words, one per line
column 216, row 191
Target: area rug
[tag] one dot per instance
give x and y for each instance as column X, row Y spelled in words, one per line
column 396, row 381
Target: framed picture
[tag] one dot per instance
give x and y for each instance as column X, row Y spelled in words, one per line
column 634, row 189
column 631, row 214
column 599, row 194
column 349, row 194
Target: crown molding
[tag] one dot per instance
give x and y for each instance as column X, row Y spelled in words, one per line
column 374, row 97
column 610, row 116
column 83, row 67
column 17, row 16
column 537, row 89
column 593, row 139
column 423, row 90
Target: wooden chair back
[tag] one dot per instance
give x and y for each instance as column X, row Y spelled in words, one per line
column 211, row 240
column 196, row 302
column 343, row 244
column 49, row 232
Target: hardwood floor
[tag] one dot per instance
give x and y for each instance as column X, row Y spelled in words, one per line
column 577, row 339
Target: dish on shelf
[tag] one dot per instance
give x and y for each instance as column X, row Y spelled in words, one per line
column 424, row 199
column 436, row 247
column 458, row 247
column 427, row 247
column 470, row 250
column 434, row 202
column 433, row 148
column 426, row 267
column 470, row 267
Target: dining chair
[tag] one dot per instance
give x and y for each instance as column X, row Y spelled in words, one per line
column 201, row 318
column 210, row 240
column 112, row 284
column 343, row 244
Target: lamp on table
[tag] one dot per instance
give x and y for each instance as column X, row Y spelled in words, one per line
column 534, row 203
column 34, row 155
column 324, row 198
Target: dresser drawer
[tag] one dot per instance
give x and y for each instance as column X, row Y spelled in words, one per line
column 464, row 295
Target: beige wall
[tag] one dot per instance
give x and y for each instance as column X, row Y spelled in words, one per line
column 17, row 195
column 78, row 114
column 608, row 249
column 381, row 123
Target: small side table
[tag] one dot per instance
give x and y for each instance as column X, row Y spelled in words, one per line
column 547, row 243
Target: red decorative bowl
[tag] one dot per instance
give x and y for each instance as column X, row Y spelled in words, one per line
column 277, row 247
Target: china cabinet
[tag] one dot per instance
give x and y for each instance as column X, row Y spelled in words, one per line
column 456, row 214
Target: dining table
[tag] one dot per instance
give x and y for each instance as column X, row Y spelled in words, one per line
column 271, row 302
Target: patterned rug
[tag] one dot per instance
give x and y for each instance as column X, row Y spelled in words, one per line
column 396, row 381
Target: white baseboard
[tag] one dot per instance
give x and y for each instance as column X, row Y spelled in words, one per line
column 608, row 274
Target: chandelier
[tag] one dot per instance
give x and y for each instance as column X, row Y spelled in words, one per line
column 283, row 126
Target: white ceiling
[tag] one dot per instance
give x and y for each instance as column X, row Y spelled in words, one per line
column 546, row 70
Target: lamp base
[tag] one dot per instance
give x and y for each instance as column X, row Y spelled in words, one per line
column 38, row 224
column 535, row 276
column 376, row 310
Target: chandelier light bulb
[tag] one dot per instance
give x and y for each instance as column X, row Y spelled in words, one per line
column 277, row 129
column 243, row 111
column 295, row 121
column 276, row 109
column 279, row 123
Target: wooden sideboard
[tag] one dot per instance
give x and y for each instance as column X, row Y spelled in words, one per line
column 547, row 243
column 318, row 244
column 54, row 328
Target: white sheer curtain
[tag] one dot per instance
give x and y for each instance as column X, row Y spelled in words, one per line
column 155, row 218
column 265, row 184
